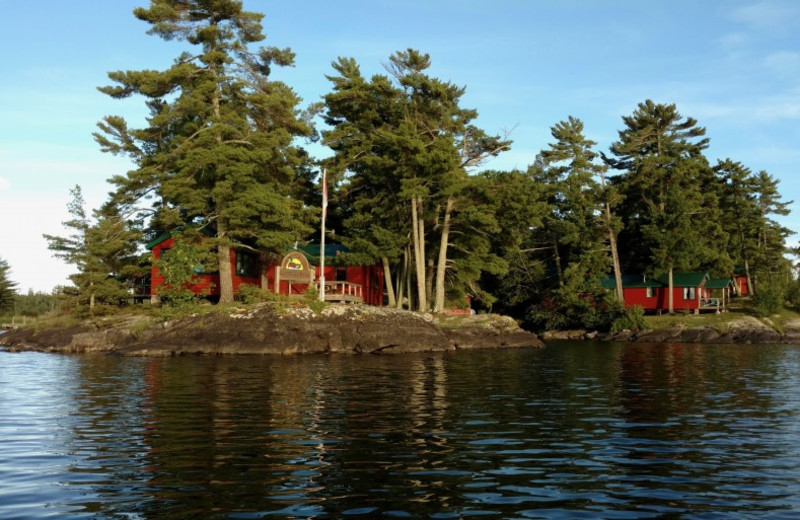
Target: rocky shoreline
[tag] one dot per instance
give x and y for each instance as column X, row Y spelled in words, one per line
column 744, row 330
column 263, row 329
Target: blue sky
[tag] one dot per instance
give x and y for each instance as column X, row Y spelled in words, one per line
column 733, row 65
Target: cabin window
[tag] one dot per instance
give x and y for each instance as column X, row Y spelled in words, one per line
column 340, row 275
column 246, row 264
column 688, row 293
column 650, row 292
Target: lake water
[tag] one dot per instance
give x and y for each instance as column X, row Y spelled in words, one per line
column 579, row 430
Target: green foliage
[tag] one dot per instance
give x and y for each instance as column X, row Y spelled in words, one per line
column 631, row 319
column 670, row 212
column 406, row 145
column 8, row 291
column 103, row 249
column 191, row 254
column 251, row 294
column 219, row 145
column 770, row 297
column 577, row 199
column 35, row 304
column 311, row 299
column 793, row 294
column 600, row 311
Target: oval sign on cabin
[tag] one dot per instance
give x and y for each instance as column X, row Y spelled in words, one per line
column 295, row 267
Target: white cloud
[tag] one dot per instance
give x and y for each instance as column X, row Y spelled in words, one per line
column 23, row 247
column 34, row 192
column 769, row 14
column 734, row 40
column 783, row 62
column 782, row 106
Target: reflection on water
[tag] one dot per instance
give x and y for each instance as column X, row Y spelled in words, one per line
column 580, row 430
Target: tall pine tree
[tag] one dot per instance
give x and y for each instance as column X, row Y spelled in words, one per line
column 407, row 145
column 103, row 250
column 586, row 227
column 219, row 147
column 670, row 210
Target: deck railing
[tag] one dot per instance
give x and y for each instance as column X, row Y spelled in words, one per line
column 344, row 292
column 712, row 303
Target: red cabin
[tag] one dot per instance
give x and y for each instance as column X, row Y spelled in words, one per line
column 690, row 292
column 740, row 279
column 299, row 269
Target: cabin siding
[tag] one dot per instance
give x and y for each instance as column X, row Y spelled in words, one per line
column 368, row 277
column 638, row 296
column 691, row 292
column 206, row 284
column 741, row 283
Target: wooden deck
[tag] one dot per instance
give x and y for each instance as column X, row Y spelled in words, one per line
column 343, row 292
column 714, row 304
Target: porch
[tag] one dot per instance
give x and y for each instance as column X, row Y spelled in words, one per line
column 342, row 292
column 717, row 295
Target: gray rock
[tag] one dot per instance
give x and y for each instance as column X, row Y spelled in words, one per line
column 264, row 330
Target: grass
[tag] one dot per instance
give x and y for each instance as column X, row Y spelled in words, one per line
column 718, row 321
column 739, row 308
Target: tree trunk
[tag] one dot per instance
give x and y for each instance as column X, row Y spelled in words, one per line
column 418, row 226
column 612, row 243
column 409, row 283
column 223, row 248
column 670, row 305
column 402, row 279
column 387, row 277
column 441, row 266
column 262, row 268
column 557, row 259
column 429, row 272
column 224, row 260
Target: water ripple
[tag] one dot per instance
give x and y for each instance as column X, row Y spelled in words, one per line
column 576, row 431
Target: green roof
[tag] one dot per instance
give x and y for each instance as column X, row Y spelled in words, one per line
column 684, row 279
column 312, row 252
column 631, row 281
column 718, row 283
column 678, row 280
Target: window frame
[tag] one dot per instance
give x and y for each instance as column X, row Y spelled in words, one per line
column 246, row 264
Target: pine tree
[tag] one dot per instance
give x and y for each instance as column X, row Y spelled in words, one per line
column 103, row 251
column 739, row 205
column 770, row 235
column 406, row 141
column 670, row 210
column 372, row 214
column 8, row 288
column 583, row 218
column 219, row 146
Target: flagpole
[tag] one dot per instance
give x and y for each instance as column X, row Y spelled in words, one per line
column 322, row 237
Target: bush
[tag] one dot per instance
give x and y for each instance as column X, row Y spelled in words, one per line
column 601, row 312
column 253, row 294
column 768, row 298
column 632, row 318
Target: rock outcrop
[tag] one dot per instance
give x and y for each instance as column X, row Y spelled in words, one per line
column 263, row 329
column 743, row 330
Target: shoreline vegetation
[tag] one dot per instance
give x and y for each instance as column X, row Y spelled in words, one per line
column 731, row 327
column 302, row 326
